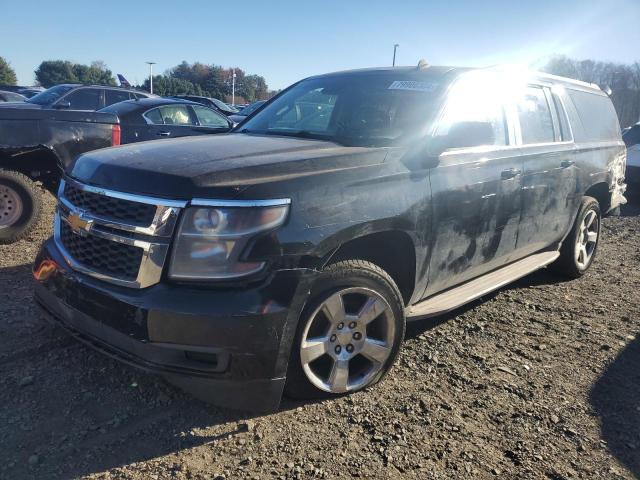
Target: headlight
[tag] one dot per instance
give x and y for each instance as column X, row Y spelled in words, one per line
column 210, row 240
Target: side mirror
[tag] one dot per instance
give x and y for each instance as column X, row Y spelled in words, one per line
column 462, row 135
column 64, row 104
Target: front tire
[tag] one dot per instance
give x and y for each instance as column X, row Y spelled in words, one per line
column 20, row 206
column 579, row 248
column 350, row 333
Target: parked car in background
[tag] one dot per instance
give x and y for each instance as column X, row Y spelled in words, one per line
column 288, row 255
column 246, row 111
column 631, row 137
column 156, row 118
column 81, row 97
column 36, row 145
column 30, row 91
column 11, row 97
column 22, row 90
column 210, row 102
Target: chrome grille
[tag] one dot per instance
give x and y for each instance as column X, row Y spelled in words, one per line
column 115, row 209
column 112, row 258
column 114, row 236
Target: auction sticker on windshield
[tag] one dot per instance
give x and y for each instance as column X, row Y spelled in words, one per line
column 413, row 85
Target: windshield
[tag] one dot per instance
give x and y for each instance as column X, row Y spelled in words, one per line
column 249, row 109
column 223, row 106
column 362, row 110
column 50, row 95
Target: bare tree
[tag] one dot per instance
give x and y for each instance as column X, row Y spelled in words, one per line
column 622, row 79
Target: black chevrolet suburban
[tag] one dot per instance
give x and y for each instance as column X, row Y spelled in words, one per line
column 288, row 256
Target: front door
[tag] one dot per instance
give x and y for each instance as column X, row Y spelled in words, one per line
column 476, row 192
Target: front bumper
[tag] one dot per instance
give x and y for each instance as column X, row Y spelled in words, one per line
column 226, row 346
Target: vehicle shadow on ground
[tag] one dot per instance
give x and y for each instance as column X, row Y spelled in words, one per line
column 83, row 413
column 615, row 397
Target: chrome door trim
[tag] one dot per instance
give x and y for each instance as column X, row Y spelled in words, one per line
column 204, row 202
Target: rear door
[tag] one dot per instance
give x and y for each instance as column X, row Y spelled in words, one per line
column 170, row 121
column 549, row 198
column 476, row 191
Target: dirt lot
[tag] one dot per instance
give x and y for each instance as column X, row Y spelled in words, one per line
column 541, row 380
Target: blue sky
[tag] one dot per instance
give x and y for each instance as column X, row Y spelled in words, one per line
column 287, row 40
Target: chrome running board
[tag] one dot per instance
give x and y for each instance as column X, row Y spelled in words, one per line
column 476, row 288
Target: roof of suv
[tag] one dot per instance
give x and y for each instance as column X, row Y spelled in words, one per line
column 428, row 71
column 432, row 72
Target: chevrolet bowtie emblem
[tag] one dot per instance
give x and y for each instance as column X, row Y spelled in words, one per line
column 78, row 224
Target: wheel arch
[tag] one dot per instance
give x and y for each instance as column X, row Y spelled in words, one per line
column 600, row 191
column 39, row 163
column 392, row 250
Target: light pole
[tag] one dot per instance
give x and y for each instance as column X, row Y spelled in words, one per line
column 233, row 87
column 151, row 64
column 395, row 47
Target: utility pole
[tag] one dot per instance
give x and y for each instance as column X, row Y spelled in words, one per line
column 151, row 64
column 395, row 47
column 233, row 87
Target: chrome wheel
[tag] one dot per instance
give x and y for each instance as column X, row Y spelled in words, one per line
column 10, row 206
column 587, row 239
column 347, row 340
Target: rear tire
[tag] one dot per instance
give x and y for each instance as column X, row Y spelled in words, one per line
column 579, row 248
column 350, row 333
column 20, row 206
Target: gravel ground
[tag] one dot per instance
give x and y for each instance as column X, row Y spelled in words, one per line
column 540, row 380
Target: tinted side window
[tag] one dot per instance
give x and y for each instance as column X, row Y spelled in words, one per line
column 154, row 116
column 115, row 96
column 84, row 99
column 536, row 123
column 597, row 115
column 209, row 118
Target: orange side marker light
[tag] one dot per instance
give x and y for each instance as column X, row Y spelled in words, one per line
column 43, row 271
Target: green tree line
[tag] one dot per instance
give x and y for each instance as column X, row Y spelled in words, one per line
column 7, row 74
column 54, row 72
column 209, row 80
column 185, row 78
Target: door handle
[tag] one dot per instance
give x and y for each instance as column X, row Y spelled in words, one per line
column 567, row 163
column 510, row 173
column 164, row 134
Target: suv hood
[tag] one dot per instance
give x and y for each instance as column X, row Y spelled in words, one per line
column 185, row 168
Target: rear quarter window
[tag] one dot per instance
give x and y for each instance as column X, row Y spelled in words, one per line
column 597, row 115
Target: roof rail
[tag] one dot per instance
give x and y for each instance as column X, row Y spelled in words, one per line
column 549, row 76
